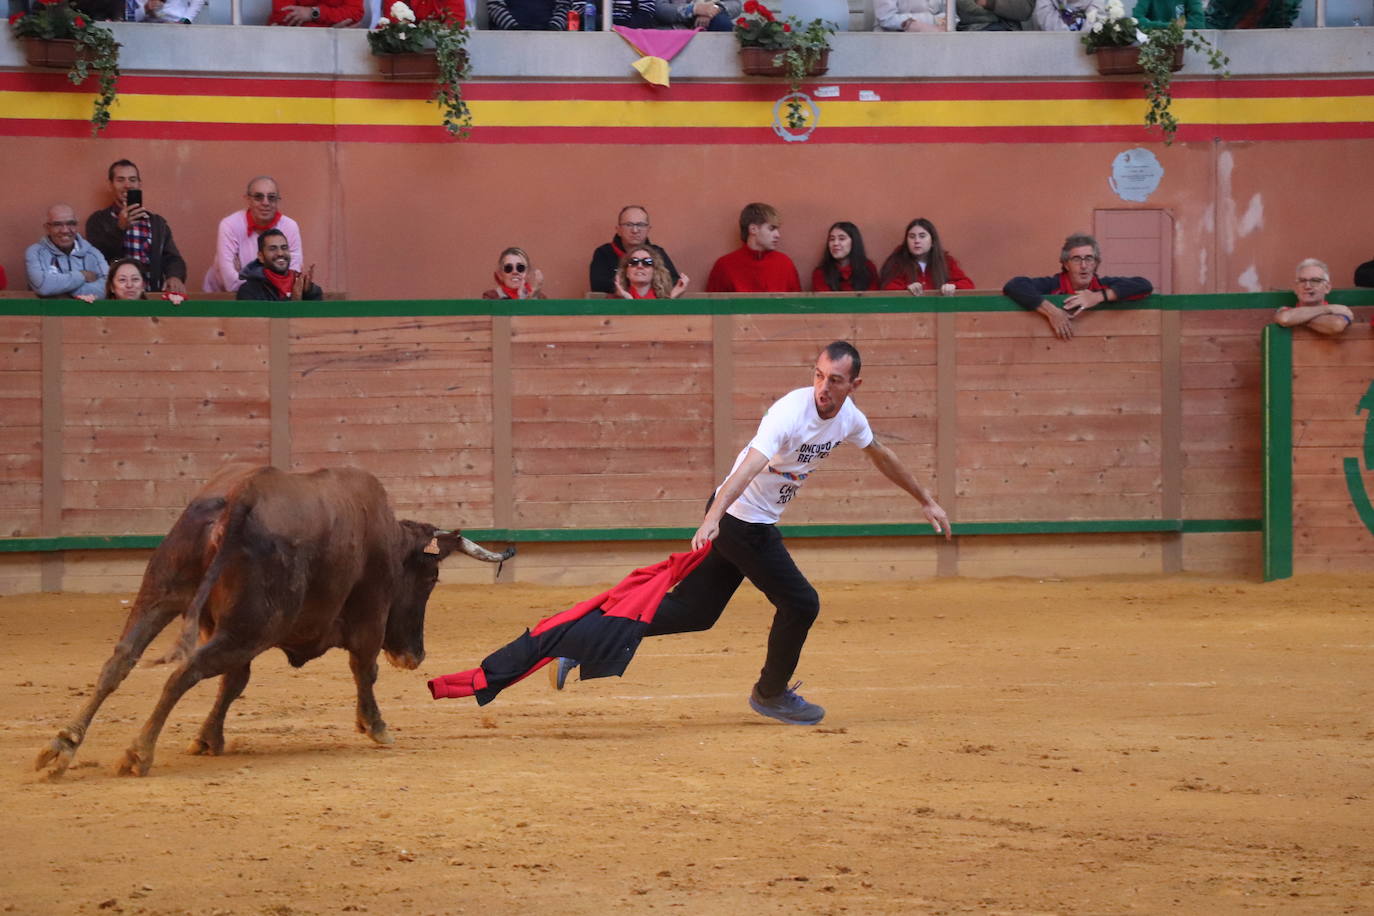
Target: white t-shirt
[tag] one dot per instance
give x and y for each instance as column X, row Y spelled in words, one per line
column 796, row 440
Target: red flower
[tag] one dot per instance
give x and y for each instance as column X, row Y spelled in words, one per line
column 79, row 22
column 50, row 2
column 765, row 12
column 751, row 6
column 741, row 22
column 16, row 17
column 786, row 27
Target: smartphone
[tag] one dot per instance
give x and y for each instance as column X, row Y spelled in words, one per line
column 134, row 197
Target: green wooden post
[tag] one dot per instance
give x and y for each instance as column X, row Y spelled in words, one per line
column 1278, row 452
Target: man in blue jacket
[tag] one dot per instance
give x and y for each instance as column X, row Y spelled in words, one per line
column 63, row 263
column 1078, row 280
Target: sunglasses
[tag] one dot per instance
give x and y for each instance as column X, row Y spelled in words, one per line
column 63, row 223
column 518, row 268
column 640, row 262
column 265, row 198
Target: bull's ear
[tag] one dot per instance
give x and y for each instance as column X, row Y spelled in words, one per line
column 444, row 542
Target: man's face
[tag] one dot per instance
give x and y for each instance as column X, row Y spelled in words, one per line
column 765, row 236
column 125, row 177
column 61, row 227
column 1081, row 264
column 832, row 384
column 633, row 227
column 263, row 200
column 275, row 254
column 1312, row 285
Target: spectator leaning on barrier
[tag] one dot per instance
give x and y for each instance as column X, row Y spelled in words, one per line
column 236, row 243
column 1364, row 274
column 270, row 277
column 632, row 228
column 993, row 15
column 63, row 263
column 756, row 266
column 909, row 15
column 1157, row 14
column 529, row 15
column 1078, row 280
column 321, row 13
column 130, row 230
column 695, row 14
column 1312, row 283
column 182, row 11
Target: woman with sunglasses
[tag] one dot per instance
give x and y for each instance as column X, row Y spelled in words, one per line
column 845, row 265
column 643, row 275
column 515, row 279
column 921, row 263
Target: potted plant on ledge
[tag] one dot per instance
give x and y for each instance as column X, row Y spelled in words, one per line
column 56, row 34
column 772, row 47
column 1120, row 46
column 433, row 48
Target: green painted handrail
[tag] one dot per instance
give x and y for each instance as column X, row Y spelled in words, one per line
column 1277, row 388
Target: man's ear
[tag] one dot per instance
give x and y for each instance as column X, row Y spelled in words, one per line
column 854, row 386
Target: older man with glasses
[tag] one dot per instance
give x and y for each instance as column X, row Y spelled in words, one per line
column 63, row 263
column 236, row 244
column 1078, row 280
column 1312, row 283
column 631, row 231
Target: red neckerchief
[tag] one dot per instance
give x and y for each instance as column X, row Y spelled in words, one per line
column 846, row 275
column 282, row 283
column 255, row 228
column 634, row 294
column 615, row 246
column 1066, row 285
column 505, row 292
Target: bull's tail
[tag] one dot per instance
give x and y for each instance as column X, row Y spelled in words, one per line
column 224, row 538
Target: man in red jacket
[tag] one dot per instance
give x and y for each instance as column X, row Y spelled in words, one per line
column 320, row 13
column 756, row 266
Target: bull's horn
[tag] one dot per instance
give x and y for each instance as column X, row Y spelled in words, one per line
column 473, row 549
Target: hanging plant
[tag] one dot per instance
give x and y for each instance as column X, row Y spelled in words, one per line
column 797, row 51
column 94, row 46
column 445, row 38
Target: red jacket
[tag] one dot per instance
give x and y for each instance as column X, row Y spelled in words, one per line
column 332, row 12
column 956, row 276
column 846, row 281
column 747, row 271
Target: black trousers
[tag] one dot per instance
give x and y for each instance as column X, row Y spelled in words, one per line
column 746, row 550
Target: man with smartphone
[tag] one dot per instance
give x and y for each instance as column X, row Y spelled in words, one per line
column 126, row 229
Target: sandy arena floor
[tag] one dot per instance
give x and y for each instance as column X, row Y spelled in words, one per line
column 1090, row 746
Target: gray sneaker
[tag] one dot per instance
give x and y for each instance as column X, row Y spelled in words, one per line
column 787, row 707
column 559, row 671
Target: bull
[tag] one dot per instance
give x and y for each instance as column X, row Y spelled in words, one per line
column 260, row 559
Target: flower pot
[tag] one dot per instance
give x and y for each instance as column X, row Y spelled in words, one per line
column 409, row 65
column 58, row 53
column 1114, row 61
column 759, row 62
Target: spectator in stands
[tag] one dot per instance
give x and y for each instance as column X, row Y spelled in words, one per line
column 994, row 15
column 1364, row 274
column 909, row 15
column 320, row 14
column 107, row 10
column 642, row 275
column 454, row 11
column 182, row 11
column 126, row 229
column 632, row 228
column 529, row 15
column 515, row 279
column 126, row 282
column 1313, row 282
column 236, row 243
column 697, row 14
column 1077, row 279
column 921, row 263
column 756, row 266
column 634, row 14
column 270, row 278
column 1065, row 15
column 1157, row 14
column 844, row 265
column 63, row 263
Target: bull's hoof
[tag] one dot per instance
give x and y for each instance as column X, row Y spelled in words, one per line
column 205, row 747
column 56, row 757
column 134, row 763
column 378, row 733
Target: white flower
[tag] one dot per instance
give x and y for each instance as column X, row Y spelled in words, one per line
column 401, row 35
column 1115, row 9
column 1097, row 27
column 402, row 13
column 1092, row 14
column 1142, row 37
column 383, row 22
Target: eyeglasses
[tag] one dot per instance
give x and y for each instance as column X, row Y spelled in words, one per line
column 1082, row 259
column 640, row 262
column 63, row 224
column 518, row 268
column 1312, row 281
column 635, row 225
column 265, row 198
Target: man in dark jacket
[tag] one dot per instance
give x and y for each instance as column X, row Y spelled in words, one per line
column 632, row 231
column 125, row 230
column 271, row 279
column 1364, row 274
column 1078, row 280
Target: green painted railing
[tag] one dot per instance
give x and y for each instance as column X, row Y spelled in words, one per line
column 1277, row 386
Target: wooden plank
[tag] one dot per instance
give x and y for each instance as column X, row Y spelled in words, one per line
column 459, row 463
column 1068, row 455
column 1126, row 376
column 1091, row 327
column 673, row 434
column 19, row 329
column 1221, row 480
column 1329, row 487
column 608, row 328
column 1236, row 504
column 1329, row 404
column 19, row 412
column 130, row 494
column 20, row 495
column 1067, row 482
column 1226, row 401
column 155, row 465
column 165, row 383
column 1217, row 428
column 1060, row 556
column 383, row 384
column 20, row 357
column 372, row 438
column 1084, row 506
column 627, row 407
column 119, row 521
column 1231, row 553
column 874, row 354
column 874, row 326
column 1326, row 459
column 806, row 334
column 977, row 351
column 581, row 488
column 1221, row 375
column 23, row 440
column 1332, row 433
column 312, row 332
column 1314, row 352
column 398, row 357
column 1238, row 323
column 651, row 513
column 116, row 441
column 579, row 381
column 19, row 574
column 201, row 358
column 162, row 412
column 1078, row 428
column 1051, row 403
column 1222, row 455
column 176, row 331
column 598, row 356
column 601, row 461
column 1353, row 378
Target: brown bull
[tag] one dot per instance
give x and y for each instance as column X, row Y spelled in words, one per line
column 262, row 558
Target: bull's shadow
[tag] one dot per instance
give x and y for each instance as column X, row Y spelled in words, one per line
column 262, row 559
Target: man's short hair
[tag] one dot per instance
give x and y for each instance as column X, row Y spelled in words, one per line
column 621, row 215
column 1078, row 240
column 121, row 163
column 255, row 180
column 262, row 239
column 839, row 350
column 1313, row 262
column 755, row 214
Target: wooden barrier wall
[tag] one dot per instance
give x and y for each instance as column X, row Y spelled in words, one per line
column 568, row 421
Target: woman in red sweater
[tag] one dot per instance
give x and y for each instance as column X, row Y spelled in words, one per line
column 920, row 263
column 644, row 275
column 844, row 266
